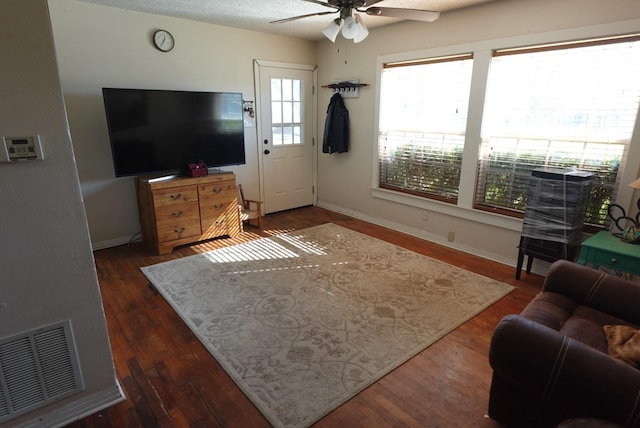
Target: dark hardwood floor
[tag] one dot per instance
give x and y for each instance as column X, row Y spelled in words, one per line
column 171, row 380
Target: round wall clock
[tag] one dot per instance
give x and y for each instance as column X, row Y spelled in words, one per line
column 163, row 40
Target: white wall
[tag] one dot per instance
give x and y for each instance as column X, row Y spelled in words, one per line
column 107, row 47
column 47, row 271
column 345, row 180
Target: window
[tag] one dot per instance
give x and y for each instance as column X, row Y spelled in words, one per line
column 286, row 114
column 423, row 116
column 568, row 106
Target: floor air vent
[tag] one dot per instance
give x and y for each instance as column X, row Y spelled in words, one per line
column 37, row 368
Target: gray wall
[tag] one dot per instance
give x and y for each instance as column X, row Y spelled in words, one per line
column 47, row 271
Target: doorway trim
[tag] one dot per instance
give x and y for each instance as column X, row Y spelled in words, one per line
column 257, row 70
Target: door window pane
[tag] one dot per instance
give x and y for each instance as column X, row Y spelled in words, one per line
column 286, row 114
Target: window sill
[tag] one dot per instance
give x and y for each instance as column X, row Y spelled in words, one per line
column 478, row 216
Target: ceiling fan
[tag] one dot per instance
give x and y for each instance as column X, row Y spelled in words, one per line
column 353, row 27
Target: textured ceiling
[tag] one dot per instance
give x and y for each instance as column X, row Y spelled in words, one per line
column 257, row 14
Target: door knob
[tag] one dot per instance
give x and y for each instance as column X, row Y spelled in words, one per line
column 266, row 152
column 266, row 141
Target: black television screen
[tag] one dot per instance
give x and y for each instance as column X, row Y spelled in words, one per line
column 158, row 131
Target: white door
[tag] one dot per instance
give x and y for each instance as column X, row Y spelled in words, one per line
column 286, row 134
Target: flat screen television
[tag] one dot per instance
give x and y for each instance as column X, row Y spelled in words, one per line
column 155, row 132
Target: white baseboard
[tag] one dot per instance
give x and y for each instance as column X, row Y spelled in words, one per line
column 436, row 239
column 77, row 409
column 116, row 242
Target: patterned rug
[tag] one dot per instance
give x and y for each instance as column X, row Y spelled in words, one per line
column 305, row 320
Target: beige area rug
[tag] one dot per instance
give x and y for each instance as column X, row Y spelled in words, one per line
column 305, row 320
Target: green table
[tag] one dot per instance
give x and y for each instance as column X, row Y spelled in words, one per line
column 604, row 249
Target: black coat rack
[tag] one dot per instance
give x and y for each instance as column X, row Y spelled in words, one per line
column 346, row 88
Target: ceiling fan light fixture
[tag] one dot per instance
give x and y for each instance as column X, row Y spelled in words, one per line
column 351, row 23
column 331, row 31
column 351, row 28
column 364, row 31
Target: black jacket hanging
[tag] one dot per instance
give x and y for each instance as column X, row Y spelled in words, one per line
column 336, row 127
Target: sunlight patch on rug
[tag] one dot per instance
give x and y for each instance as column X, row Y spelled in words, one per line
column 305, row 320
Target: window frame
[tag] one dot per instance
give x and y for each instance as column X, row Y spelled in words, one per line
column 549, row 138
column 482, row 52
column 440, row 191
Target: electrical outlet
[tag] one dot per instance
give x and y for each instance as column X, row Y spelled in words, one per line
column 450, row 236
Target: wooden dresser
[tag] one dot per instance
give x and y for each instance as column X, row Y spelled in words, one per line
column 184, row 210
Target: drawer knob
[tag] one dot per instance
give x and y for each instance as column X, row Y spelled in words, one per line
column 614, row 261
column 179, row 231
column 174, row 197
column 218, row 190
column 178, row 214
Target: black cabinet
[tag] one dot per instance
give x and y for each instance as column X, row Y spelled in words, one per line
column 552, row 227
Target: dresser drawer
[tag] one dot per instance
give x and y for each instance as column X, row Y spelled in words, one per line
column 217, row 204
column 177, row 221
column 217, row 193
column 221, row 225
column 175, row 196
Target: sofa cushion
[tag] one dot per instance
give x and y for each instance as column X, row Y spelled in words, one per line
column 585, row 324
column 550, row 309
column 624, row 343
column 576, row 321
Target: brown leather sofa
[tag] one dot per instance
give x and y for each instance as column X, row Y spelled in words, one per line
column 551, row 362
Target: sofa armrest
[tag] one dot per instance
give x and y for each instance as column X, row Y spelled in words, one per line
column 598, row 290
column 556, row 368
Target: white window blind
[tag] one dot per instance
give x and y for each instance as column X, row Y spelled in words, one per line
column 423, row 116
column 570, row 106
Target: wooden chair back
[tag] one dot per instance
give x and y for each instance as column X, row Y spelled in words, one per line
column 249, row 209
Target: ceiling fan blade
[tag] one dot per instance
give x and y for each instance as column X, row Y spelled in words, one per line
column 370, row 3
column 413, row 14
column 293, row 18
column 323, row 3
